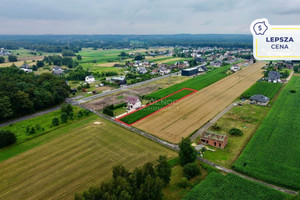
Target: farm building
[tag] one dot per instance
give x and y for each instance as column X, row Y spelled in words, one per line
column 89, row 79
column 274, row 76
column 214, row 139
column 57, row 70
column 259, row 100
column 189, row 71
column 120, row 80
column 133, row 103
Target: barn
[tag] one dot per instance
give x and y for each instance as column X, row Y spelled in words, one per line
column 189, row 72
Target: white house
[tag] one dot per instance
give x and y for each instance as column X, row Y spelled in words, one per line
column 235, row 68
column 133, row 103
column 90, row 79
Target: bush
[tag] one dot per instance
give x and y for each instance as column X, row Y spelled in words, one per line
column 216, row 127
column 191, row 170
column 32, row 130
column 55, row 121
column 108, row 111
column 292, row 91
column 183, row 183
column 6, row 138
column 236, row 131
column 64, row 117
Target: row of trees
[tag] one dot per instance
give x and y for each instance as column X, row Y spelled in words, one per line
column 59, row 60
column 142, row 183
column 24, row 93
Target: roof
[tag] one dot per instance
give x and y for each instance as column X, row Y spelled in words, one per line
column 190, row 69
column 260, row 98
column 132, row 100
column 90, row 76
column 273, row 75
column 120, row 78
column 57, row 68
column 213, row 136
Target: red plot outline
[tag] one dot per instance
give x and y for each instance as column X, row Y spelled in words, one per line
column 118, row 119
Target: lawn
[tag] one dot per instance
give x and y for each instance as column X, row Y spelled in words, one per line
column 155, row 106
column 246, row 118
column 79, row 155
column 196, row 83
column 273, row 152
column 217, row 186
column 264, row 88
column 42, row 125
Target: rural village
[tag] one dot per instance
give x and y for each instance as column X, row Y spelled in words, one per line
column 149, row 100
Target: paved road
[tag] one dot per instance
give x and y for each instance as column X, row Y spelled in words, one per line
column 121, row 89
column 30, row 116
column 211, row 122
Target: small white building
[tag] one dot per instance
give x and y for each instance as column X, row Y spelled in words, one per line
column 235, row 68
column 90, row 79
column 133, row 103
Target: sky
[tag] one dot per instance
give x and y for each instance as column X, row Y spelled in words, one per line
column 142, row 16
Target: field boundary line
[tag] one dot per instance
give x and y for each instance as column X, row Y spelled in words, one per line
column 193, row 91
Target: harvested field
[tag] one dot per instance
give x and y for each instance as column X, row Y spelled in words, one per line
column 80, row 157
column 196, row 110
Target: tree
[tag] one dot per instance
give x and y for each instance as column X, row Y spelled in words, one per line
column 187, row 153
column 163, row 169
column 2, row 59
column 148, row 169
column 151, row 189
column 78, row 57
column 120, row 171
column 191, row 170
column 64, row 117
column 66, row 108
column 235, row 131
column 5, row 112
column 55, row 121
column 7, row 138
column 12, row 58
column 40, row 63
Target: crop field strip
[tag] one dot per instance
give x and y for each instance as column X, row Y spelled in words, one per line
column 273, row 152
column 79, row 158
column 156, row 106
column 196, row 83
column 217, row 186
column 193, row 112
column 264, row 88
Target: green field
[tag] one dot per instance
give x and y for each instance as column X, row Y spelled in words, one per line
column 129, row 119
column 196, row 83
column 73, row 157
column 264, row 88
column 217, row 186
column 273, row 152
column 42, row 124
column 100, row 56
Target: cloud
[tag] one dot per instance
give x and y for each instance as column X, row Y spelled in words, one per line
column 141, row 16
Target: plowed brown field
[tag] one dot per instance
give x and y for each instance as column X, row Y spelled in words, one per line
column 184, row 117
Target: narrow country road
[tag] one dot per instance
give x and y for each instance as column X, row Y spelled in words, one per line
column 30, row 116
column 211, row 122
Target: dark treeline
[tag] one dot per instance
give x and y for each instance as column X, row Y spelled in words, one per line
column 74, row 43
column 23, row 93
column 144, row 183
